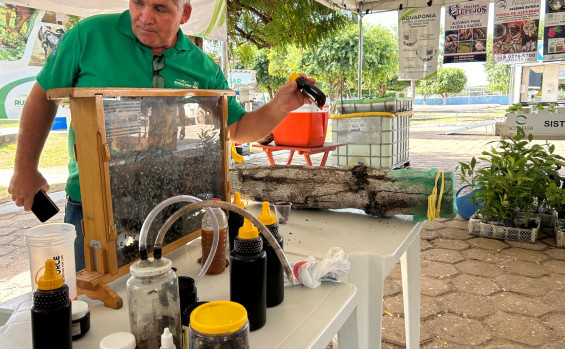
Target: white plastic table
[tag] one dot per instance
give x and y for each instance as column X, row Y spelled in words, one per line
column 307, row 318
column 374, row 246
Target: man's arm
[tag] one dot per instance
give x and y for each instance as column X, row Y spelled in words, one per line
column 35, row 123
column 257, row 124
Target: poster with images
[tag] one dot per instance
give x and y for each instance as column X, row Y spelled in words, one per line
column 51, row 29
column 27, row 37
column 466, row 32
column 418, row 38
column 515, row 38
column 554, row 31
column 16, row 25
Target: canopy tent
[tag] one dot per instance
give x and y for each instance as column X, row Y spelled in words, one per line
column 380, row 5
column 362, row 7
column 208, row 17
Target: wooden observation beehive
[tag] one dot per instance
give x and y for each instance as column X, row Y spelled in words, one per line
column 136, row 148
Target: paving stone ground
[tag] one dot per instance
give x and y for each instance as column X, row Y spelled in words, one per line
column 475, row 292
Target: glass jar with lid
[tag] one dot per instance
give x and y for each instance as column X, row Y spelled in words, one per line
column 219, row 325
column 153, row 302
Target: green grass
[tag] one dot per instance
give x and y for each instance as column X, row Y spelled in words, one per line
column 5, row 197
column 5, row 123
column 54, row 153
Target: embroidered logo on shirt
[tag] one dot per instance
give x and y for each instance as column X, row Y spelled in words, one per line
column 185, row 84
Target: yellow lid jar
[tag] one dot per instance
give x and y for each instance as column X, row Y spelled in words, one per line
column 219, row 325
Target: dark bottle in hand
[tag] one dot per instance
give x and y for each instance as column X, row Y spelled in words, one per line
column 309, row 89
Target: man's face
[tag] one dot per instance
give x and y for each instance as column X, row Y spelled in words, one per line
column 155, row 22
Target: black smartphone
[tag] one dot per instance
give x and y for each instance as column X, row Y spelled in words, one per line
column 43, row 207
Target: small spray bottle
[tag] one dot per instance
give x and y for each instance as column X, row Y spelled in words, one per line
column 167, row 340
column 275, row 273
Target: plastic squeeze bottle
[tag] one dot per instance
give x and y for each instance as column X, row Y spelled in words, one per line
column 309, row 89
column 167, row 340
column 51, row 311
column 235, row 221
column 248, row 275
column 219, row 262
column 275, row 273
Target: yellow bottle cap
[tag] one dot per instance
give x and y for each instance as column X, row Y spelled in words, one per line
column 50, row 279
column 267, row 216
column 237, row 200
column 218, row 317
column 293, row 76
column 248, row 230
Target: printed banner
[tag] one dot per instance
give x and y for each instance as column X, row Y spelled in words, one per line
column 27, row 37
column 15, row 31
column 515, row 38
column 418, row 38
column 554, row 31
column 466, row 32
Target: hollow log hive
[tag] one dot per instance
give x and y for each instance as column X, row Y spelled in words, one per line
column 378, row 192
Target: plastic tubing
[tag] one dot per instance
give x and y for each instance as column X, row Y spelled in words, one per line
column 230, row 207
column 160, row 236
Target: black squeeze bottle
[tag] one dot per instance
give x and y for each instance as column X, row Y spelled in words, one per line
column 51, row 314
column 235, row 220
column 309, row 89
column 248, row 275
column 275, row 273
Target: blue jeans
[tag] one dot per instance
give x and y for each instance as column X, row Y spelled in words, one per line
column 73, row 215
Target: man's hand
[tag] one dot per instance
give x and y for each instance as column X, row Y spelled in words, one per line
column 256, row 124
column 35, row 124
column 23, row 188
column 289, row 98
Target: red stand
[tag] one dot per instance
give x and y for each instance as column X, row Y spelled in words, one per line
column 306, row 151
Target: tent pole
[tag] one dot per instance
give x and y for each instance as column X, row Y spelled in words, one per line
column 224, row 58
column 360, row 62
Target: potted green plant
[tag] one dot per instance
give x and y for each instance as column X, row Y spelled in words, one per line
column 556, row 200
column 512, row 178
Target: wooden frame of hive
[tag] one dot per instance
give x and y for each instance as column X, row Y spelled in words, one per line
column 93, row 156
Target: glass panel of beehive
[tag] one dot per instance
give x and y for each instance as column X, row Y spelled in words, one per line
column 161, row 147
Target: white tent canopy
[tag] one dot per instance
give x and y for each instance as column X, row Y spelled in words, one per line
column 381, row 5
column 208, row 17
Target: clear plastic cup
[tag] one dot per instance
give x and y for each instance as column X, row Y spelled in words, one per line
column 53, row 241
column 282, row 208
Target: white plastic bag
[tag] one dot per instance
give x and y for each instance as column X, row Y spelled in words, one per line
column 311, row 273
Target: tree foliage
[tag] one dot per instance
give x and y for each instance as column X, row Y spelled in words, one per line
column 264, row 78
column 335, row 60
column 285, row 60
column 448, row 81
column 425, row 88
column 246, row 54
column 498, row 75
column 269, row 23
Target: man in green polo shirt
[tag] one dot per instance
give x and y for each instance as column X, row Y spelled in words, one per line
column 142, row 47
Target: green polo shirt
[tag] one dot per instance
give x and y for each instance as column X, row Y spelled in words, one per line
column 102, row 51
